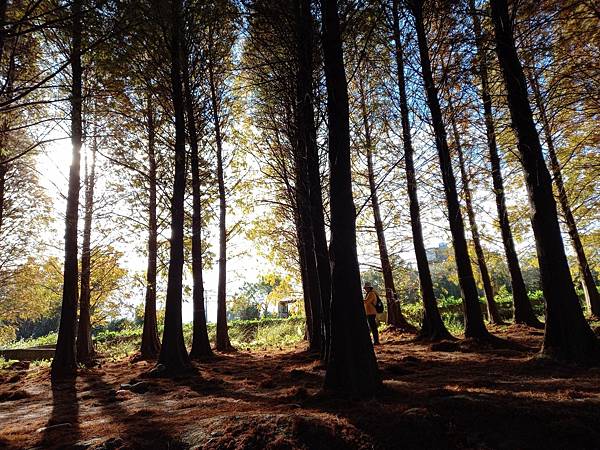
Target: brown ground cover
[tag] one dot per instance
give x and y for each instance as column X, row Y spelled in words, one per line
column 462, row 397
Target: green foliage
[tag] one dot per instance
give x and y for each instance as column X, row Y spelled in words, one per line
column 452, row 313
column 254, row 299
column 244, row 334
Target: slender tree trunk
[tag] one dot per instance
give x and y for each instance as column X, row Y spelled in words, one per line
column 309, row 329
column 305, row 109
column 173, row 354
column 474, row 325
column 64, row 362
column 394, row 313
column 85, row 347
column 352, row 366
column 150, row 347
column 433, row 327
column 3, row 5
column 200, row 343
column 223, row 343
column 493, row 313
column 3, row 170
column 302, row 189
column 306, row 240
column 523, row 311
column 567, row 335
column 588, row 283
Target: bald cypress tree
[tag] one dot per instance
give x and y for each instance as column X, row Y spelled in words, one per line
column 352, row 366
column 567, row 335
column 474, row 325
column 64, row 362
column 523, row 311
column 173, row 354
column 432, row 327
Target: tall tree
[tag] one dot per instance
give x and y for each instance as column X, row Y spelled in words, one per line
column 352, row 365
column 394, row 312
column 150, row 346
column 493, row 313
column 223, row 343
column 590, row 290
column 433, row 327
column 474, row 325
column 173, row 354
column 308, row 139
column 523, row 311
column 567, row 335
column 200, row 343
column 64, row 362
column 85, row 348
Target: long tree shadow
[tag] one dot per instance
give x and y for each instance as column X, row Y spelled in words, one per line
column 133, row 429
column 62, row 428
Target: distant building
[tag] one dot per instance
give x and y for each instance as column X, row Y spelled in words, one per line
column 283, row 311
column 437, row 254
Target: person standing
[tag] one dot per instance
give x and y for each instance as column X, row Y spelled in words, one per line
column 370, row 302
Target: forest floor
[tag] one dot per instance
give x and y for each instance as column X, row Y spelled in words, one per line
column 464, row 398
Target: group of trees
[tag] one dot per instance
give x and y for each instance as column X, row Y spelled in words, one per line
column 376, row 104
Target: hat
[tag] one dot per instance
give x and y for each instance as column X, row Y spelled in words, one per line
column 368, row 285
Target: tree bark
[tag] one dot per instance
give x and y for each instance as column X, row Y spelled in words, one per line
column 493, row 313
column 200, row 343
column 304, row 123
column 394, row 312
column 305, row 109
column 3, row 170
column 474, row 325
column 590, row 290
column 523, row 311
column 567, row 335
column 352, row 366
column 173, row 354
column 3, row 6
column 433, row 327
column 309, row 329
column 223, row 343
column 85, row 347
column 64, row 362
column 150, row 347
column 306, row 240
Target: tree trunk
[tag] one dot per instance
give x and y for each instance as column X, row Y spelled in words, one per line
column 493, row 314
column 64, row 362
column 394, row 313
column 3, row 5
column 433, row 327
column 173, row 354
column 474, row 325
column 85, row 347
column 305, row 108
column 592, row 297
column 200, row 343
column 150, row 347
column 352, row 366
column 304, row 122
column 523, row 311
column 3, row 170
column 306, row 240
column 223, row 343
column 309, row 329
column 567, row 335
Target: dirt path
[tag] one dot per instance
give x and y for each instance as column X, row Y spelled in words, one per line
column 432, row 399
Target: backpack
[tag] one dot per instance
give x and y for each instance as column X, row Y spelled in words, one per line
column 378, row 305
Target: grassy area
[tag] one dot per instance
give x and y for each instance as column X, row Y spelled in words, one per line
column 271, row 332
column 244, row 334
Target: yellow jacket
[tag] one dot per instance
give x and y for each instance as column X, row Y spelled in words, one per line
column 370, row 301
